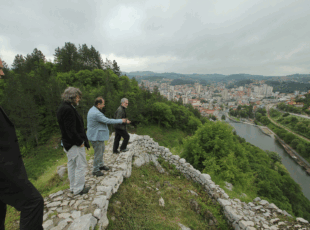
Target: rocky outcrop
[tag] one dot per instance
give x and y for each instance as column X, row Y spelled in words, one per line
column 63, row 210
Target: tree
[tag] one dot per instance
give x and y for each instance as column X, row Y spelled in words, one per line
column 89, row 58
column 264, row 120
column 289, row 137
column 162, row 113
column 116, row 68
column 67, row 58
column 19, row 64
column 33, row 60
column 223, row 117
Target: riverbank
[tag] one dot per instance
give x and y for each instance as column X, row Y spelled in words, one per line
column 256, row 137
column 289, row 150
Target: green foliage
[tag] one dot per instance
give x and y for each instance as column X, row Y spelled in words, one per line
column 30, row 94
column 215, row 150
column 243, row 111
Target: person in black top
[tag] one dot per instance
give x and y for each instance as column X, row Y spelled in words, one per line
column 74, row 139
column 121, row 129
column 15, row 188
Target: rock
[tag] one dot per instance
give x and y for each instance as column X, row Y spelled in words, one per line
column 48, row 225
column 192, row 192
column 223, row 202
column 161, row 202
column 46, row 215
column 85, row 222
column 263, row 202
column 56, row 194
column 182, row 227
column 299, row 219
column 257, row 199
column 100, row 201
column 76, row 214
column 64, row 215
column 272, row 206
column 104, row 221
column 53, row 204
column 62, row 224
column 61, row 171
column 107, row 190
column 274, row 220
column 194, row 206
column 229, row 186
column 244, row 224
column 98, row 213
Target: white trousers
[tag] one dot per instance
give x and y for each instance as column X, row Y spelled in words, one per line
column 77, row 166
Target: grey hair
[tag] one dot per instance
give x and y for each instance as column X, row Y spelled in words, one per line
column 70, row 94
column 123, row 100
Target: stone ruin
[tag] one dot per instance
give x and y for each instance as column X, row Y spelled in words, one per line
column 63, row 210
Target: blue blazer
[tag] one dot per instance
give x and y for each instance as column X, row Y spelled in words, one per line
column 97, row 125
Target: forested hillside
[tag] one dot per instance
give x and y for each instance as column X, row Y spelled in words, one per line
column 31, row 93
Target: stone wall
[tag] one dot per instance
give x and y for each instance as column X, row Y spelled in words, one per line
column 63, row 210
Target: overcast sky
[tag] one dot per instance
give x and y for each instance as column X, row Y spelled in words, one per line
column 266, row 37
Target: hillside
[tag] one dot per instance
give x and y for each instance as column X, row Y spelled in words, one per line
column 166, row 193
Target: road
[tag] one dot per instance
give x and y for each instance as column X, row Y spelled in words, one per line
column 268, row 107
column 296, row 114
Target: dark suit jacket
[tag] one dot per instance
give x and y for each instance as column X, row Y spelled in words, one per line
column 72, row 126
column 13, row 176
column 120, row 113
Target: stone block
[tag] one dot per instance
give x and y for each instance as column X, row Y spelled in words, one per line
column 85, row 222
column 100, row 201
column 53, row 204
column 301, row 220
column 106, row 190
column 223, row 202
column 48, row 225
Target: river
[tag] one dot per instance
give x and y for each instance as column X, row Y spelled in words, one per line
column 256, row 137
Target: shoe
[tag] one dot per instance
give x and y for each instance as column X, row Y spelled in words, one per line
column 117, row 152
column 104, row 168
column 84, row 190
column 124, row 150
column 98, row 174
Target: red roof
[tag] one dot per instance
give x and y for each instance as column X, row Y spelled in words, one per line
column 1, row 66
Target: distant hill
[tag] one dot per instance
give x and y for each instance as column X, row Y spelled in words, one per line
column 288, row 86
column 207, row 78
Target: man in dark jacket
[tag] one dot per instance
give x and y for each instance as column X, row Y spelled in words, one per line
column 120, row 129
column 15, row 188
column 74, row 139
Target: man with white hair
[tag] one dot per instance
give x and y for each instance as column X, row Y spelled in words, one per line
column 121, row 129
column 74, row 139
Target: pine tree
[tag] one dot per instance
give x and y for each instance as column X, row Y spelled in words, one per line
column 116, row 68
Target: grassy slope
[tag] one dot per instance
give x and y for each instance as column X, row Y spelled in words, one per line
column 139, row 209
column 136, row 204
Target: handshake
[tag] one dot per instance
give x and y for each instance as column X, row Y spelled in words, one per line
column 126, row 121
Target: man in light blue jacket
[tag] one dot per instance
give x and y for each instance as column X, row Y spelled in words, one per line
column 98, row 132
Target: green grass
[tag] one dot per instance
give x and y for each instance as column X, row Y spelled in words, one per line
column 139, row 202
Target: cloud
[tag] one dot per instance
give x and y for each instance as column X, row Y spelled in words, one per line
column 214, row 36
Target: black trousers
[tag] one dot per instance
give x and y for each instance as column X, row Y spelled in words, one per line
column 31, row 204
column 118, row 134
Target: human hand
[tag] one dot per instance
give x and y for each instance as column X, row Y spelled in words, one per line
column 128, row 121
column 82, row 145
column 124, row 120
